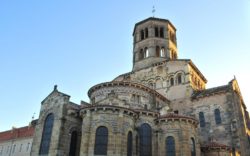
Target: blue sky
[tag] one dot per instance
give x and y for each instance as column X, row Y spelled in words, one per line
column 77, row 44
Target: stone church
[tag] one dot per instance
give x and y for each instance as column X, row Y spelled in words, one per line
column 160, row 108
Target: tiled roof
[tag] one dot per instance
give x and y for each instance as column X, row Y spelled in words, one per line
column 173, row 115
column 127, row 84
column 133, row 112
column 163, row 62
column 153, row 19
column 210, row 91
column 214, row 146
column 176, row 117
column 17, row 133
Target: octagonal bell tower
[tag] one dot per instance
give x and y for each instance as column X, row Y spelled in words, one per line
column 154, row 41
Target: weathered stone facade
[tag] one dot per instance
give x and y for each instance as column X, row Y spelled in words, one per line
column 165, row 94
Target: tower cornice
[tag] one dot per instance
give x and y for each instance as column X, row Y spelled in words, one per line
column 154, row 19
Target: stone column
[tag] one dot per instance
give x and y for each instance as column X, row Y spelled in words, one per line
column 185, row 142
column 86, row 123
column 119, row 139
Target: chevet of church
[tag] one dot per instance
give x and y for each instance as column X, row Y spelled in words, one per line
column 160, row 108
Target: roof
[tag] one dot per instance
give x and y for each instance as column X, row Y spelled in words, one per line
column 173, row 115
column 17, row 133
column 154, row 19
column 127, row 84
column 123, row 75
column 165, row 61
column 193, row 66
column 176, row 117
column 210, row 91
column 55, row 90
column 197, row 70
column 128, row 110
column 215, row 146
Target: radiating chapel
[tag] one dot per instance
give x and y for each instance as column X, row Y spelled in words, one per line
column 160, row 108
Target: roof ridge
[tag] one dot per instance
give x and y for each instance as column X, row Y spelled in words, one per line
column 210, row 91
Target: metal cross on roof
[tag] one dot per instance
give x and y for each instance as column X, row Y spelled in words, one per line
column 153, row 11
column 33, row 116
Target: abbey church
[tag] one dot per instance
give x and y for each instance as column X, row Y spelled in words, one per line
column 160, row 108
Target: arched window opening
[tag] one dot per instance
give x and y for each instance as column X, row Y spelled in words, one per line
column 162, row 52
column 179, row 79
column 156, row 32
column 146, row 54
column 162, row 32
column 46, row 136
column 202, row 119
column 217, row 116
column 142, row 34
column 73, row 144
column 157, row 51
column 171, row 81
column 192, row 147
column 146, row 32
column 137, row 99
column 129, row 144
column 172, row 37
column 101, row 141
column 158, row 84
column 198, row 83
column 133, row 97
column 157, row 104
column 145, row 140
column 195, row 80
column 170, row 146
column 141, row 54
